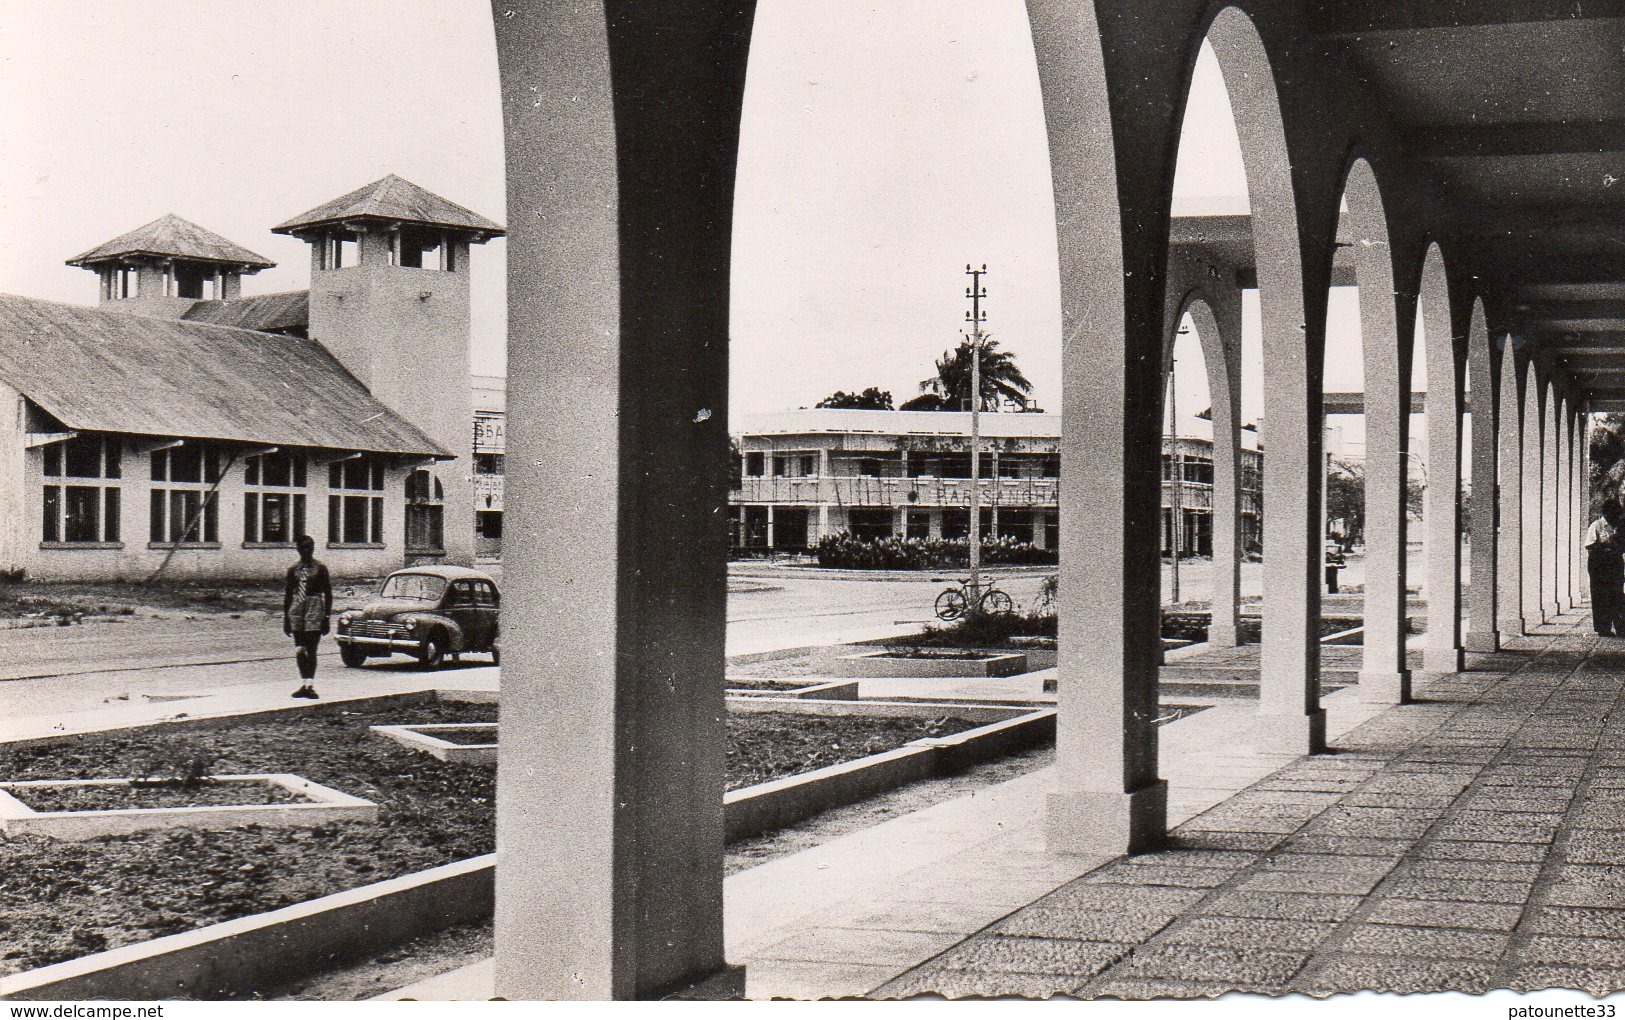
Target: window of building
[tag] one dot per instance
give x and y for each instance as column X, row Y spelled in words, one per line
column 75, row 506
column 489, row 464
column 869, row 524
column 1051, row 467
column 273, row 514
column 423, row 248
column 1010, row 467
column 919, row 524
column 869, row 467
column 185, row 507
column 755, row 464
column 340, row 249
column 191, row 280
column 127, row 284
column 425, row 513
column 355, row 507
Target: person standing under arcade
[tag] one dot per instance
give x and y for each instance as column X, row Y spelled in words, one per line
column 1606, row 572
column 307, row 599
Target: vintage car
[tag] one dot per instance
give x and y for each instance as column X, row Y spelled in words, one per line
column 428, row 612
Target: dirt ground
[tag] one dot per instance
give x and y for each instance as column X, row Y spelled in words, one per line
column 72, row 603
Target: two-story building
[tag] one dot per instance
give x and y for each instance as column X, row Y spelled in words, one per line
column 810, row 473
column 181, row 429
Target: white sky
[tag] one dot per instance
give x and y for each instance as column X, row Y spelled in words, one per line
column 883, row 149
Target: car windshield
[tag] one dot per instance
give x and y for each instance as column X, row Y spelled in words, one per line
column 423, row 587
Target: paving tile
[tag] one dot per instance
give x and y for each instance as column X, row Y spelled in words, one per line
column 1281, row 906
column 859, row 946
column 1491, row 871
column 1044, row 920
column 1473, row 850
column 1310, row 882
column 962, row 984
column 1434, row 943
column 1593, row 952
column 1349, row 973
column 1142, row 989
column 995, row 953
column 1237, row 823
column 1229, row 859
column 1124, row 899
column 1249, row 933
column 1463, row 890
column 1198, row 839
column 1251, row 968
column 1599, row 981
column 1332, row 843
column 1442, row 914
column 1343, row 864
column 1468, row 830
column 1396, row 799
column 1586, row 922
column 1161, row 875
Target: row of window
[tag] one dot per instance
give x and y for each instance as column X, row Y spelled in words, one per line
column 91, row 514
column 953, row 465
column 184, row 280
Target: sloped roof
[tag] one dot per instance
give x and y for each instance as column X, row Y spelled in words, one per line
column 392, row 198
column 106, row 371
column 172, row 236
column 270, row 313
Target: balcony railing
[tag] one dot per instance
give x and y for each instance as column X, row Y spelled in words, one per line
column 899, row 492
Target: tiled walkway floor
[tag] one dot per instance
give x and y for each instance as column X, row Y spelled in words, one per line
column 1473, row 840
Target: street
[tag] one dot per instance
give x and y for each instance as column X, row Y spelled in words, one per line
column 51, row 670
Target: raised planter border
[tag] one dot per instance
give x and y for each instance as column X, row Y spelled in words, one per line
column 421, row 737
column 323, row 804
column 824, row 690
column 889, row 663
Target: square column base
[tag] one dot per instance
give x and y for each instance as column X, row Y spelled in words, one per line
column 1108, row 822
column 1440, row 661
column 1294, row 733
column 1482, row 641
column 1223, row 635
column 1385, row 687
column 1513, row 627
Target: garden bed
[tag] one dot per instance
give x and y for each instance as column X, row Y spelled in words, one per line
column 150, row 794
column 63, row 900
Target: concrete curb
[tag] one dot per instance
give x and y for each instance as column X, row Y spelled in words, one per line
column 773, row 805
column 234, row 958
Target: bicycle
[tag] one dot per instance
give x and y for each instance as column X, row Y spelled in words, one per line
column 956, row 602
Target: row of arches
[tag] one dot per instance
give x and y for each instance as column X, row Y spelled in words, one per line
column 620, row 200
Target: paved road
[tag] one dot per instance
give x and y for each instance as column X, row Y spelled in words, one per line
column 59, row 669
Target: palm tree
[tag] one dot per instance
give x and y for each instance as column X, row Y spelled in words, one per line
column 1001, row 379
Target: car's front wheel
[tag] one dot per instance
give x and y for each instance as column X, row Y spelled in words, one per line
column 351, row 656
column 433, row 653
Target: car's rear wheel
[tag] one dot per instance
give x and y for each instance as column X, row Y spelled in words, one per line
column 352, row 656
column 433, row 653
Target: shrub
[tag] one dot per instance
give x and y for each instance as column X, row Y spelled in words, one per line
column 845, row 551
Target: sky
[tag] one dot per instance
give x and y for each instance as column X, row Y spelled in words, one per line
column 883, row 148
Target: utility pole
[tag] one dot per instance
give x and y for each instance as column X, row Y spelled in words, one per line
column 975, row 316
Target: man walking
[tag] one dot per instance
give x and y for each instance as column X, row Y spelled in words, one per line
column 307, row 598
column 1607, row 573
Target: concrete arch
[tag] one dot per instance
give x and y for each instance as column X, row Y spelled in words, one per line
column 1510, row 426
column 1532, row 533
column 1290, row 716
column 1484, row 380
column 1387, row 329
column 1445, row 350
column 1216, row 312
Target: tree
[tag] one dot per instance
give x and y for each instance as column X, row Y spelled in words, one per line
column 1001, row 380
column 871, row 399
column 1607, row 463
column 926, row 402
column 1345, row 499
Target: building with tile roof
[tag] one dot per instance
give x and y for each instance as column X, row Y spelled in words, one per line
column 181, row 429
